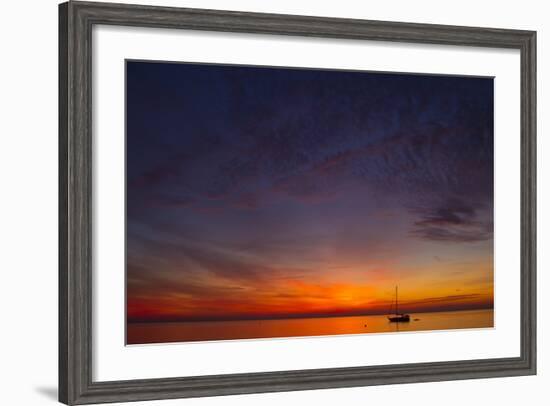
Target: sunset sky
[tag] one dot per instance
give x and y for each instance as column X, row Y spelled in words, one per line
column 258, row 192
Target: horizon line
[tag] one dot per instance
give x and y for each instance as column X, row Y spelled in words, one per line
column 296, row 316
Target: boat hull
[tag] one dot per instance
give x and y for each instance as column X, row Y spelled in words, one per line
column 399, row 319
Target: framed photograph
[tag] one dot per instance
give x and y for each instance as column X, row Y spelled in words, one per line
column 257, row 202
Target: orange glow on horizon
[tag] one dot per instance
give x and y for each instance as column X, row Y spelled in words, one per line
column 288, row 297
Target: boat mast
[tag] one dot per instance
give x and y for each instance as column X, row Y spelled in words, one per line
column 396, row 308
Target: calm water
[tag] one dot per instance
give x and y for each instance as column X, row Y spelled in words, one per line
column 142, row 333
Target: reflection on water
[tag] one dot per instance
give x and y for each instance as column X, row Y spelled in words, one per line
column 142, row 333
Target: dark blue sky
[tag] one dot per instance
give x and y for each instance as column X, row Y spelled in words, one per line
column 254, row 190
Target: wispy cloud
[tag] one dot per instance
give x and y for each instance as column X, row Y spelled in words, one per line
column 454, row 221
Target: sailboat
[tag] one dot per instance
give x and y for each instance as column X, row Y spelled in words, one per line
column 398, row 317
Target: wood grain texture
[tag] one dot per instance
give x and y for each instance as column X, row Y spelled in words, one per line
column 76, row 20
column 63, row 364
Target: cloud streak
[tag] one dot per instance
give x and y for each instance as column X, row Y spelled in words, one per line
column 455, row 221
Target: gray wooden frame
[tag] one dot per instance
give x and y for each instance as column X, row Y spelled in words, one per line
column 76, row 20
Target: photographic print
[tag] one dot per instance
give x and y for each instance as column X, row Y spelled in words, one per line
column 270, row 202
